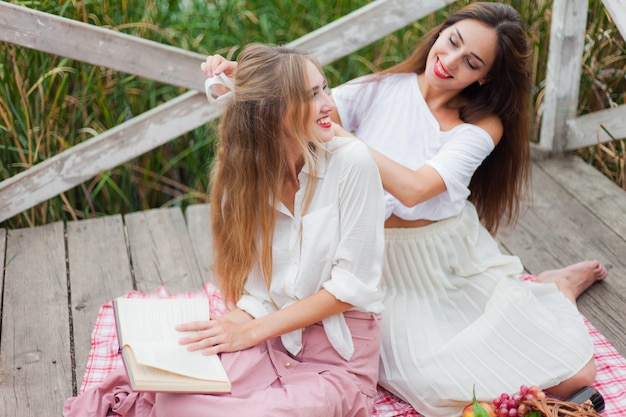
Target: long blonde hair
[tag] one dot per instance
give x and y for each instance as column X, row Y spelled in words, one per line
column 251, row 162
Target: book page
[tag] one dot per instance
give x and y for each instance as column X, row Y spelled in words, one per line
column 148, row 327
column 147, row 378
column 178, row 360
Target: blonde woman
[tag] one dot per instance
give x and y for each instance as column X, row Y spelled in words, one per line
column 297, row 220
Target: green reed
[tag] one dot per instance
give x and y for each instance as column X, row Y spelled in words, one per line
column 49, row 103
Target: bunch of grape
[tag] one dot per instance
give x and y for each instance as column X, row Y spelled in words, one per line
column 511, row 405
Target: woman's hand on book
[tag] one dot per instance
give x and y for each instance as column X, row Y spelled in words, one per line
column 221, row 334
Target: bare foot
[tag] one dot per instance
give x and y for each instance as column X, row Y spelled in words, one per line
column 574, row 279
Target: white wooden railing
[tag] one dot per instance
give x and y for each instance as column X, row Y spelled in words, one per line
column 111, row 49
column 561, row 130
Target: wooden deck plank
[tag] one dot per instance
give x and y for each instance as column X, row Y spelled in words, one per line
column 199, row 226
column 593, row 190
column 555, row 231
column 161, row 251
column 604, row 304
column 559, row 229
column 576, row 214
column 99, row 271
column 35, row 360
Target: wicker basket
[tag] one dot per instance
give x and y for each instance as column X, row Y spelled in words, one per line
column 550, row 407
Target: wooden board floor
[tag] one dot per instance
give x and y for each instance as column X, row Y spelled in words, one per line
column 55, row 277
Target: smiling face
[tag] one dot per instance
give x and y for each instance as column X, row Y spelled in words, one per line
column 462, row 55
column 315, row 104
column 321, row 103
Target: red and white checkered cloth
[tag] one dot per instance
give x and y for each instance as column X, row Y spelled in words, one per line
column 104, row 357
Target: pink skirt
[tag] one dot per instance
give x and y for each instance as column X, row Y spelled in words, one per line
column 266, row 381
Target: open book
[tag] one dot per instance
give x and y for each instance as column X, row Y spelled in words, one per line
column 152, row 356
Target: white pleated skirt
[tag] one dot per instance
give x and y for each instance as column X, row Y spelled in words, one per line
column 457, row 317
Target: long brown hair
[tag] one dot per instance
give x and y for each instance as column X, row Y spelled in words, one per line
column 251, row 162
column 499, row 184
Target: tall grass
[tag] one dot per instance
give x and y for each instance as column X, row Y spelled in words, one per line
column 49, row 103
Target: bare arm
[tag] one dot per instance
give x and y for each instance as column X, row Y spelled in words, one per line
column 413, row 187
column 409, row 186
column 237, row 330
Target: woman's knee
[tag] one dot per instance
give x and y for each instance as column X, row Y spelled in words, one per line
column 585, row 377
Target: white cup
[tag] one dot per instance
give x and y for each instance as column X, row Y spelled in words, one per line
column 209, row 88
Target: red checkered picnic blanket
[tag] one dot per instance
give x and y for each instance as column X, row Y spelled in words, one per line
column 104, row 357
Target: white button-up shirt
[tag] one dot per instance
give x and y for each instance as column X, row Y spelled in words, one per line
column 337, row 245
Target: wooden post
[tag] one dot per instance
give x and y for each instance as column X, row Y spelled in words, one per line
column 617, row 10
column 567, row 37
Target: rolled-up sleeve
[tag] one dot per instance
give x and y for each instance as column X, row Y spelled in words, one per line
column 254, row 306
column 459, row 158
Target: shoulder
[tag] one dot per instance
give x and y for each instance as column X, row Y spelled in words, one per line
column 348, row 147
column 491, row 124
column 349, row 153
column 352, row 168
column 373, row 82
column 395, row 80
